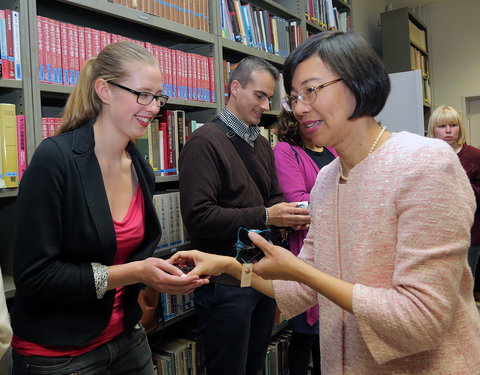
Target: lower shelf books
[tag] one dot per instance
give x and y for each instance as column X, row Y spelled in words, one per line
column 167, row 206
column 276, row 360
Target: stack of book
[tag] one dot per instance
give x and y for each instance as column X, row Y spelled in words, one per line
column 63, row 48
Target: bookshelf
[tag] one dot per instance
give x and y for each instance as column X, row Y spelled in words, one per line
column 37, row 99
column 405, row 47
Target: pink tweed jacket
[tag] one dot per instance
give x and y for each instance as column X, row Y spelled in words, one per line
column 399, row 230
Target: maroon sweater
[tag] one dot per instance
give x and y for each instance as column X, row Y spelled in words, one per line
column 217, row 193
column 470, row 158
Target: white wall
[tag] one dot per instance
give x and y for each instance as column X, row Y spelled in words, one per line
column 454, row 49
column 366, row 20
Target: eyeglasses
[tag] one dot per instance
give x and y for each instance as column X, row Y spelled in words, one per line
column 306, row 96
column 144, row 98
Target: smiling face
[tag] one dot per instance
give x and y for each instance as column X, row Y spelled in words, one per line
column 325, row 118
column 250, row 102
column 128, row 116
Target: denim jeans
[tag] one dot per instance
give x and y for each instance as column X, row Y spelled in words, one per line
column 236, row 326
column 128, row 353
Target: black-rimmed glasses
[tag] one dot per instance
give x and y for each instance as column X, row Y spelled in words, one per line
column 144, row 98
column 306, row 95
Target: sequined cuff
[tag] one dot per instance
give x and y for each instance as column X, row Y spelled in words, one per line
column 266, row 216
column 100, row 276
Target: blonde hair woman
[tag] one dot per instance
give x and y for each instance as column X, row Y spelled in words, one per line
column 87, row 227
column 445, row 124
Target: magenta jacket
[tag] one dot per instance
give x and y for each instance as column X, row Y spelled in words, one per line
column 297, row 172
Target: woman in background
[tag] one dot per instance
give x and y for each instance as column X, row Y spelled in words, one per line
column 298, row 161
column 87, row 227
column 445, row 124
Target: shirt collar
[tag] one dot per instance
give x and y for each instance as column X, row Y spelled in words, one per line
column 248, row 133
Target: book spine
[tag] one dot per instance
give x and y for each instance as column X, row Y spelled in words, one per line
column 8, row 125
column 11, row 58
column 21, row 145
column 16, row 45
column 65, row 57
column 57, row 64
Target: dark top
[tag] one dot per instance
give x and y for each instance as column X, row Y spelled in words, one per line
column 470, row 158
column 218, row 195
column 63, row 224
column 320, row 158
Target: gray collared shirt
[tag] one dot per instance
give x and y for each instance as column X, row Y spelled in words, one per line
column 247, row 133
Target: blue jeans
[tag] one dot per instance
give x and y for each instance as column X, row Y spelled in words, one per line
column 128, row 353
column 235, row 325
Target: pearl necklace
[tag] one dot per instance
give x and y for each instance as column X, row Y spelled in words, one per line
column 344, row 178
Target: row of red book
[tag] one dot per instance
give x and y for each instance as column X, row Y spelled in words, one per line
column 10, row 66
column 64, row 47
column 13, row 147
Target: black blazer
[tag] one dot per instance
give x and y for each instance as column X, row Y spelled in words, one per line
column 63, row 223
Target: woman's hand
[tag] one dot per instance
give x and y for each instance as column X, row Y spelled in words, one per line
column 205, row 264
column 165, row 277
column 277, row 264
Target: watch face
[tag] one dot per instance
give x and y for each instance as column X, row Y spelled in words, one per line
column 247, row 252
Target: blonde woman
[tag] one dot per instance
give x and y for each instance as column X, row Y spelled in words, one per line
column 445, row 124
column 87, row 227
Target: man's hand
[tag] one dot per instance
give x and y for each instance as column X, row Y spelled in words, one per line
column 289, row 215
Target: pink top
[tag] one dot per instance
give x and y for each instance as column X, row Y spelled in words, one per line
column 399, row 230
column 129, row 232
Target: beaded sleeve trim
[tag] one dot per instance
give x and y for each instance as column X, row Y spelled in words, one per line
column 100, row 276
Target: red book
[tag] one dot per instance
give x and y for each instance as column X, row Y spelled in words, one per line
column 21, row 145
column 10, row 73
column 188, row 64
column 88, row 43
column 81, row 46
column 211, row 79
column 96, row 43
column 44, row 127
column 193, row 63
column 47, row 44
column 57, row 64
column 76, row 58
column 51, row 126
column 41, row 48
column 65, row 56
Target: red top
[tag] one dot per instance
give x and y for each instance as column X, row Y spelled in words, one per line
column 129, row 233
column 470, row 159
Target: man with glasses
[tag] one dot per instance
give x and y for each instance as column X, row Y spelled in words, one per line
column 220, row 193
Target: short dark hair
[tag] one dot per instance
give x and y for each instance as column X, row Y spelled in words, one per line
column 243, row 71
column 352, row 57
